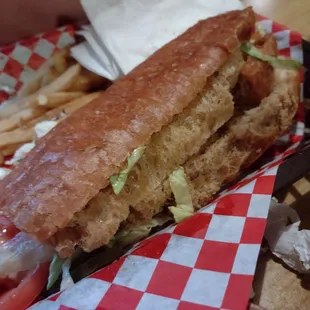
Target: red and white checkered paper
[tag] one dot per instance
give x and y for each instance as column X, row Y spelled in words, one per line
column 19, row 62
column 205, row 262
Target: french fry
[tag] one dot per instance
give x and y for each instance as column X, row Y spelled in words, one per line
column 62, row 83
column 87, row 81
column 49, row 77
column 16, row 136
column 26, row 133
column 61, row 60
column 35, row 83
column 68, row 108
column 57, row 99
column 45, row 102
column 49, row 71
column 20, row 118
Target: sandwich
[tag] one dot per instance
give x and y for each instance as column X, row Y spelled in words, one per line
column 158, row 144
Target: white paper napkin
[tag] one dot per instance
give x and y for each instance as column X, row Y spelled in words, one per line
column 287, row 242
column 123, row 33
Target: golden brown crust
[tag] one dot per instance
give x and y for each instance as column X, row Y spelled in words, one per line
column 75, row 160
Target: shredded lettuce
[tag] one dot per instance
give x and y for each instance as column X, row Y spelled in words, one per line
column 54, row 271
column 277, row 62
column 184, row 206
column 59, row 266
column 118, row 181
column 66, row 281
column 133, row 234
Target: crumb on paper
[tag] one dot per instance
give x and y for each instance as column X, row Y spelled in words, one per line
column 44, row 127
column 20, row 154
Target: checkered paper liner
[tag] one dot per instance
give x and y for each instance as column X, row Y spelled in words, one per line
column 19, row 62
column 205, row 262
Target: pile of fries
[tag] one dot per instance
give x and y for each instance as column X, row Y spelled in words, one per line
column 59, row 87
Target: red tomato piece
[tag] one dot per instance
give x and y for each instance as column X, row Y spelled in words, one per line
column 21, row 292
column 22, row 296
column 7, row 230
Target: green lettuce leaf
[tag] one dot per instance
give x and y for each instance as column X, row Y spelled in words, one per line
column 276, row 62
column 54, row 271
column 184, row 206
column 118, row 181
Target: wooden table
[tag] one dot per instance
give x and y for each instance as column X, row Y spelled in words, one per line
column 276, row 287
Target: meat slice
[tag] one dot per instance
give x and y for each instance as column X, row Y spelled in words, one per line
column 256, row 76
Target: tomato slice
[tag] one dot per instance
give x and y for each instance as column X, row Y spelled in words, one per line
column 20, row 293
column 7, row 230
column 7, row 284
column 27, row 291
